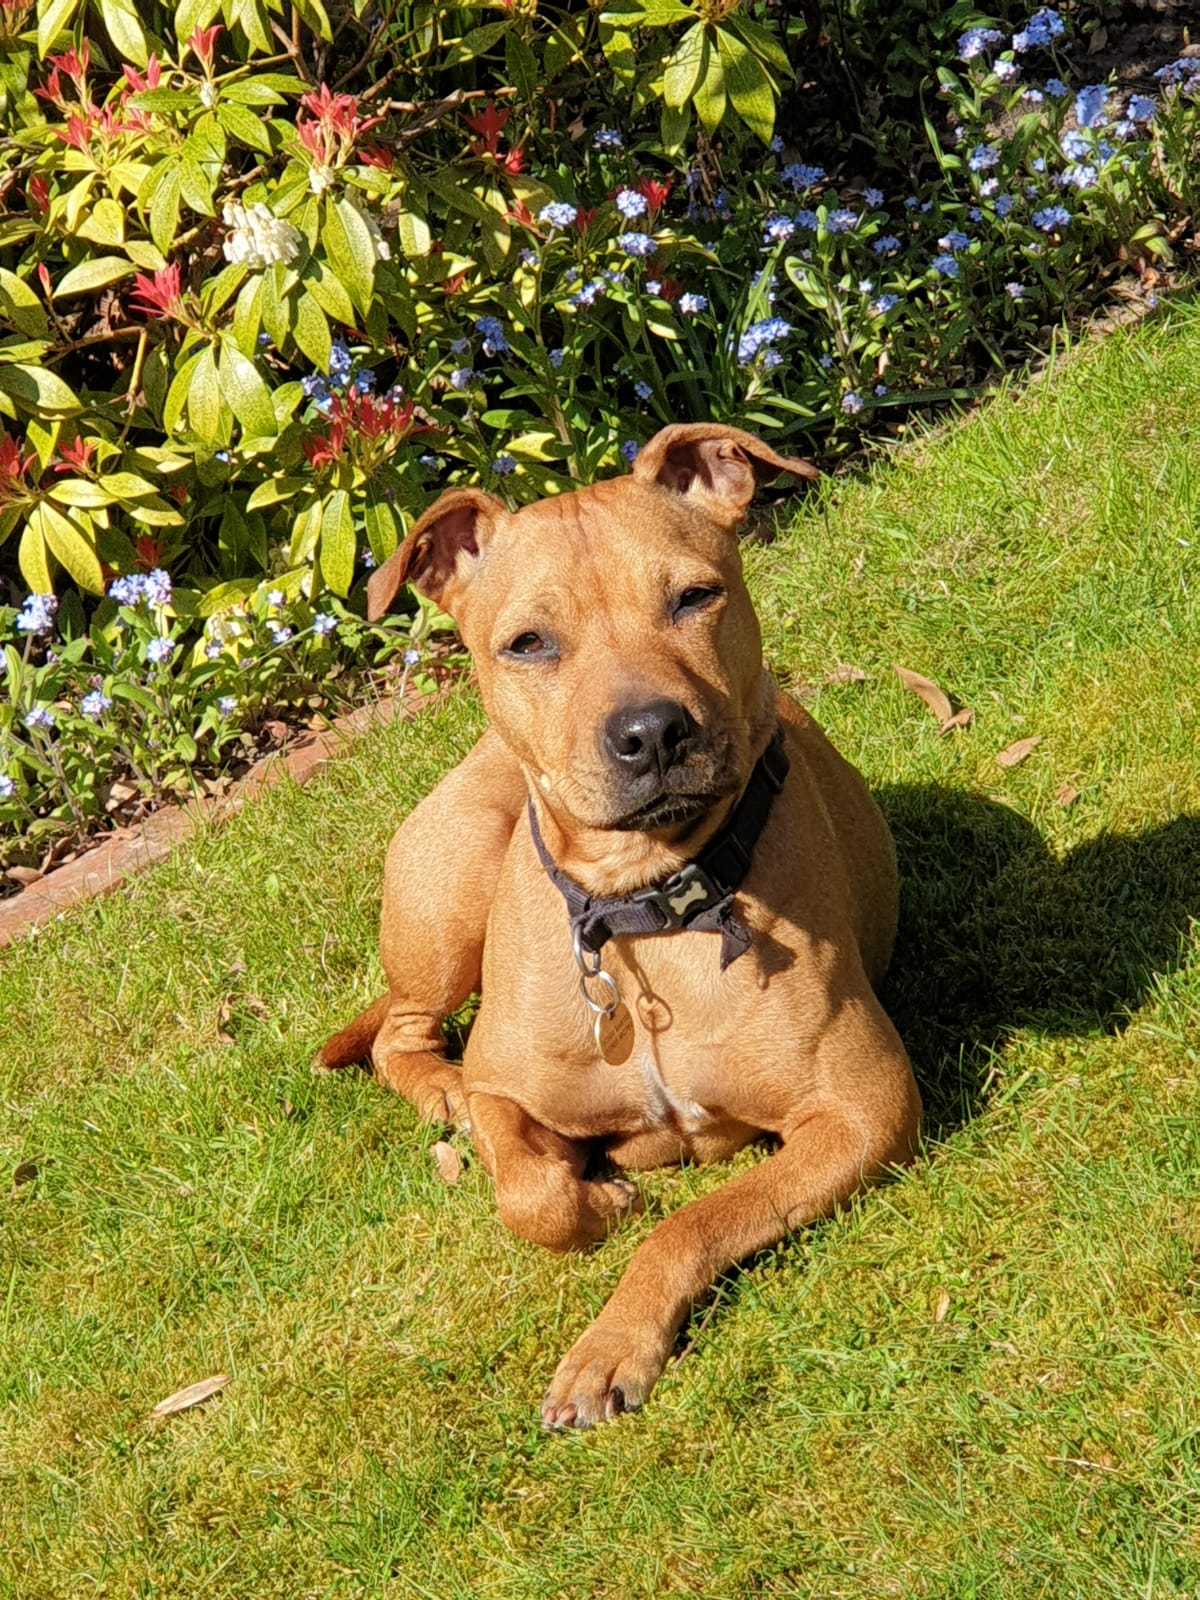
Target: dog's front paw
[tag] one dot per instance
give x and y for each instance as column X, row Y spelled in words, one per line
column 433, row 1086
column 603, row 1374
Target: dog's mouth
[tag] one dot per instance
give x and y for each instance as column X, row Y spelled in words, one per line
column 668, row 811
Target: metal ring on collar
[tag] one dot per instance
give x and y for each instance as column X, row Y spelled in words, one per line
column 605, row 1008
column 582, row 956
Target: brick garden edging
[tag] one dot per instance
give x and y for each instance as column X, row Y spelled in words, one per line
column 129, row 850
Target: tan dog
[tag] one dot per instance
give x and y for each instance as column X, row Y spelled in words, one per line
column 620, row 662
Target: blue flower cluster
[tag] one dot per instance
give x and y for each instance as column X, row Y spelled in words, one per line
column 631, row 204
column 1182, row 74
column 758, row 336
column 590, row 293
column 800, row 176
column 491, row 329
column 1089, row 105
column 320, row 387
column 153, row 587
column 1042, row 29
column 559, row 214
column 94, row 705
column 976, row 41
column 37, row 614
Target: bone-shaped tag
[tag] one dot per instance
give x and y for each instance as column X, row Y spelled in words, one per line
column 680, row 902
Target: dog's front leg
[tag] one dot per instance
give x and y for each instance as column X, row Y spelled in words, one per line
column 825, row 1159
column 439, row 881
column 541, row 1192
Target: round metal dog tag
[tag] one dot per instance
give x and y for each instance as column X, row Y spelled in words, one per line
column 614, row 1035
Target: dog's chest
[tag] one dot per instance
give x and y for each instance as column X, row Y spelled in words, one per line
column 675, row 1073
column 667, row 1107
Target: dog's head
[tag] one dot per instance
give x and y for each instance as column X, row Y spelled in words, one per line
column 617, row 650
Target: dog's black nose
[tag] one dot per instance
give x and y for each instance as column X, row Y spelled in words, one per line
column 641, row 739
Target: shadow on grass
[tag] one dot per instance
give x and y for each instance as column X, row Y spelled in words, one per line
column 996, row 933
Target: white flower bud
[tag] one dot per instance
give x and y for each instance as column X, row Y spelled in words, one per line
column 257, row 237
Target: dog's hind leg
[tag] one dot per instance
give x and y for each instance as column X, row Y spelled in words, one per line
column 439, row 881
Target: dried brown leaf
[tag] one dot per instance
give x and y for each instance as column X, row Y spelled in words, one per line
column 936, row 699
column 23, row 875
column 942, row 1307
column 449, row 1162
column 1014, row 754
column 195, row 1394
column 224, row 1013
column 24, row 1172
column 960, row 719
column 1066, row 794
column 846, row 674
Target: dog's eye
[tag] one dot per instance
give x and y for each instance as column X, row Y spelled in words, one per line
column 529, row 644
column 696, row 598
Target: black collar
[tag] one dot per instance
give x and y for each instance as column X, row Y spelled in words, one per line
column 698, row 896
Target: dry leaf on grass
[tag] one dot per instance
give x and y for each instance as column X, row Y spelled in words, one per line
column 936, row 699
column 1066, row 794
column 846, row 674
column 960, row 719
column 1014, row 754
column 195, row 1394
column 449, row 1162
column 942, row 1307
column 224, row 1015
column 25, row 1172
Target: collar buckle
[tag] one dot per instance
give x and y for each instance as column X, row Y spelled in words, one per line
column 680, row 897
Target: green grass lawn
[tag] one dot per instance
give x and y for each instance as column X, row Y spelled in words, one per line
column 982, row 1382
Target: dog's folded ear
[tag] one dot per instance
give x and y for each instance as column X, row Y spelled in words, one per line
column 713, row 466
column 442, row 544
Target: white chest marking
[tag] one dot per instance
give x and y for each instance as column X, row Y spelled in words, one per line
column 663, row 1106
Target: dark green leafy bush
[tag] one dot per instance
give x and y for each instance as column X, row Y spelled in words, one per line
column 268, row 284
